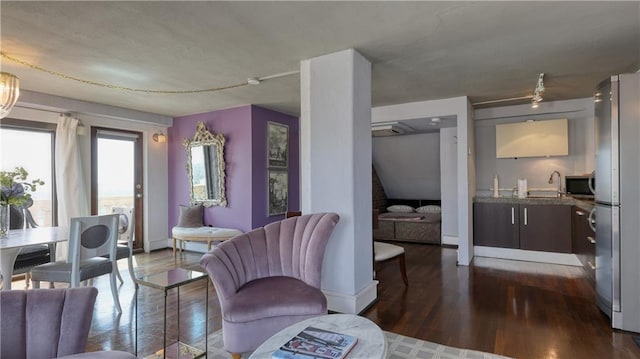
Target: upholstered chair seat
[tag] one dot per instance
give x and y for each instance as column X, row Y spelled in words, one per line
column 269, row 278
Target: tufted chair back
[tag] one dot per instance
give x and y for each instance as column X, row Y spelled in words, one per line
column 269, row 278
column 293, row 247
column 49, row 323
column 45, row 323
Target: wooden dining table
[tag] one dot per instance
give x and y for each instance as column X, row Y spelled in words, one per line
column 20, row 238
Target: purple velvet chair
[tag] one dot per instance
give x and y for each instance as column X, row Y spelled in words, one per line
column 269, row 278
column 48, row 323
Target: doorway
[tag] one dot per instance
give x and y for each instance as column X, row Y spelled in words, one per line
column 116, row 174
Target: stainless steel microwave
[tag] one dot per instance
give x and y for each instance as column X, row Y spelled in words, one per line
column 579, row 187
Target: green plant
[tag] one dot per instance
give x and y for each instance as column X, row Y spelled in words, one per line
column 14, row 187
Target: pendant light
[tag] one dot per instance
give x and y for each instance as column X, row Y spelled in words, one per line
column 10, row 88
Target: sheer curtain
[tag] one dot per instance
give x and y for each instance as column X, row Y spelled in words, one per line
column 73, row 199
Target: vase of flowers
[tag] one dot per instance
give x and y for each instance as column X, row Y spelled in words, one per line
column 14, row 190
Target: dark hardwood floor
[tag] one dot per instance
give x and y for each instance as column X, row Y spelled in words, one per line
column 517, row 309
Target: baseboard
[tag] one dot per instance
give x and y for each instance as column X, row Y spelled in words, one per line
column 450, row 240
column 525, row 255
column 352, row 304
column 155, row 245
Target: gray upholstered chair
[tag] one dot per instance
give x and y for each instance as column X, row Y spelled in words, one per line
column 30, row 256
column 92, row 253
column 48, row 323
column 269, row 278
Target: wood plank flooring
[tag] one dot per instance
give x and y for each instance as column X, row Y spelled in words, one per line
column 519, row 309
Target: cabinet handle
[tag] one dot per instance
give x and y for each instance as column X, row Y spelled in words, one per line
column 580, row 213
column 525, row 216
column 591, row 239
column 593, row 267
column 513, row 216
column 591, row 220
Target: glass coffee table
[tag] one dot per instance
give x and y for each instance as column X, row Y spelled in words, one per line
column 165, row 281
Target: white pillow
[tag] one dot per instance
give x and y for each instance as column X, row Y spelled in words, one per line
column 429, row 209
column 400, row 208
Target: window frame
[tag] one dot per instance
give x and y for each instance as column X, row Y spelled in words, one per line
column 37, row 126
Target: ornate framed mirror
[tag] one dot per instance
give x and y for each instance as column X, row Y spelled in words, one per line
column 205, row 167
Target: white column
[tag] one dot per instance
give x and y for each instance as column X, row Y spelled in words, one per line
column 335, row 143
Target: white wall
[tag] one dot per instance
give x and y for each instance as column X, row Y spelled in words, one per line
column 46, row 108
column 461, row 109
column 536, row 170
column 448, row 185
column 335, row 130
column 416, row 157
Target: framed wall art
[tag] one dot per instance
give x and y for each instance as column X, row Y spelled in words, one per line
column 277, row 144
column 278, row 191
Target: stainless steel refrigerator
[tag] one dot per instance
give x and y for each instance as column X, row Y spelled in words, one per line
column 617, row 195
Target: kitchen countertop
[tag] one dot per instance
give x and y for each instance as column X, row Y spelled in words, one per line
column 565, row 200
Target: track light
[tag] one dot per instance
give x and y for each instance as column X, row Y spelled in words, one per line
column 538, row 91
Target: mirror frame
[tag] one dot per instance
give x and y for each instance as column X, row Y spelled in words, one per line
column 203, row 137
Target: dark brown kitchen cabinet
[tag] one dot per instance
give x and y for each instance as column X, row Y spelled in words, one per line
column 495, row 225
column 536, row 227
column 584, row 241
column 545, row 227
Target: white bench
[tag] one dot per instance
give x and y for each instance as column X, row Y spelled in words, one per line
column 201, row 234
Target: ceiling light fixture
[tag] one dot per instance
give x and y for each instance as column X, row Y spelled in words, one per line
column 160, row 137
column 538, row 91
column 253, row 81
column 536, row 97
column 10, row 90
column 597, row 97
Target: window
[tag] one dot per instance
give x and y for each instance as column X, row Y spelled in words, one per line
column 30, row 145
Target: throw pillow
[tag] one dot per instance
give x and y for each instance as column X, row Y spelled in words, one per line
column 400, row 208
column 429, row 209
column 191, row 216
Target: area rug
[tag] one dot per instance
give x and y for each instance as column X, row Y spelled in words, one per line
column 398, row 347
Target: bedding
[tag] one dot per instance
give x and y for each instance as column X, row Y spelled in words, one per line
column 429, row 209
column 400, row 208
column 397, row 215
column 408, row 227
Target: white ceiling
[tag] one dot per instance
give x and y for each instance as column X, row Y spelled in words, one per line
column 419, row 50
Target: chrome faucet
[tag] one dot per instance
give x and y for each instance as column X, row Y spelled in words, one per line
column 559, row 192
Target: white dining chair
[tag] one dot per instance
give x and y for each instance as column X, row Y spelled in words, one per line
column 126, row 233
column 91, row 253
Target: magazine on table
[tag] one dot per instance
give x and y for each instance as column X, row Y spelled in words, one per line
column 316, row 343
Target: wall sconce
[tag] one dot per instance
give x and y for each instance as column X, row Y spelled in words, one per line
column 10, row 88
column 160, row 137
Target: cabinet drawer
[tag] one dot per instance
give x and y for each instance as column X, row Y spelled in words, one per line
column 584, row 242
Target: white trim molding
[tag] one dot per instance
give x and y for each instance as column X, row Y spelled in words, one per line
column 352, row 304
column 528, row 256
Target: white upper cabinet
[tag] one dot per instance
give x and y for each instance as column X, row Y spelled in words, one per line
column 532, row 139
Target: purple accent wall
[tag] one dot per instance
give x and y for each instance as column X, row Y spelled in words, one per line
column 260, row 118
column 244, row 129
